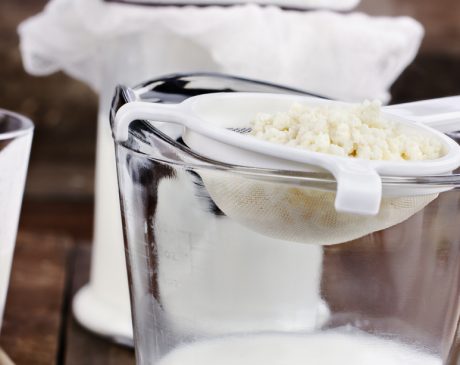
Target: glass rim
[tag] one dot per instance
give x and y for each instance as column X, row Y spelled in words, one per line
column 324, row 179
column 26, row 125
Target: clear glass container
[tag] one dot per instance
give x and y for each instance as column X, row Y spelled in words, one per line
column 16, row 133
column 210, row 288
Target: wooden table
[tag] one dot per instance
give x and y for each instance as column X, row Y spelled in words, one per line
column 38, row 327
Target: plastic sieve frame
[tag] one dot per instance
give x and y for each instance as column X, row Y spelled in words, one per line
column 206, row 119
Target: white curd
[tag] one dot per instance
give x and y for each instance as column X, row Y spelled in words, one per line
column 355, row 131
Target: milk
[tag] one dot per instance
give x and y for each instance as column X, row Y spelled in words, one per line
column 217, row 277
column 5, row 268
column 327, row 348
column 13, row 167
column 108, row 265
column 103, row 304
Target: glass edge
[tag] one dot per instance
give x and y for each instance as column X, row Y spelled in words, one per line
column 27, row 126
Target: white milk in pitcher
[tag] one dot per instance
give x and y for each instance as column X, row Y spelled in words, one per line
column 327, row 348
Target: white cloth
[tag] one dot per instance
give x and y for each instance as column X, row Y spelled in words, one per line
column 343, row 56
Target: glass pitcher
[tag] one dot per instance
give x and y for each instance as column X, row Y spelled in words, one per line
column 209, row 288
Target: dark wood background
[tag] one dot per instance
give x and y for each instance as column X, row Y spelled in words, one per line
column 52, row 256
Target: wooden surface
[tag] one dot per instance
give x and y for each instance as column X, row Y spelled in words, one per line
column 33, row 317
column 53, row 248
column 38, row 327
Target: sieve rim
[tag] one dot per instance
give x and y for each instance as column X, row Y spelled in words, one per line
column 325, row 180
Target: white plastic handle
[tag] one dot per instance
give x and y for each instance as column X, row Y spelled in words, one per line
column 442, row 114
column 139, row 110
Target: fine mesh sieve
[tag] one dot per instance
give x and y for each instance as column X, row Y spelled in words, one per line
column 299, row 213
column 302, row 214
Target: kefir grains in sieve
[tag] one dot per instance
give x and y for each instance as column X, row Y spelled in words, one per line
column 354, row 131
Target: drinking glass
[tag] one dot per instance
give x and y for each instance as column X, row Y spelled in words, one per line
column 15, row 141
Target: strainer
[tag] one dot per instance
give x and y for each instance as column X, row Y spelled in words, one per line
column 294, row 213
column 210, row 121
column 303, row 214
